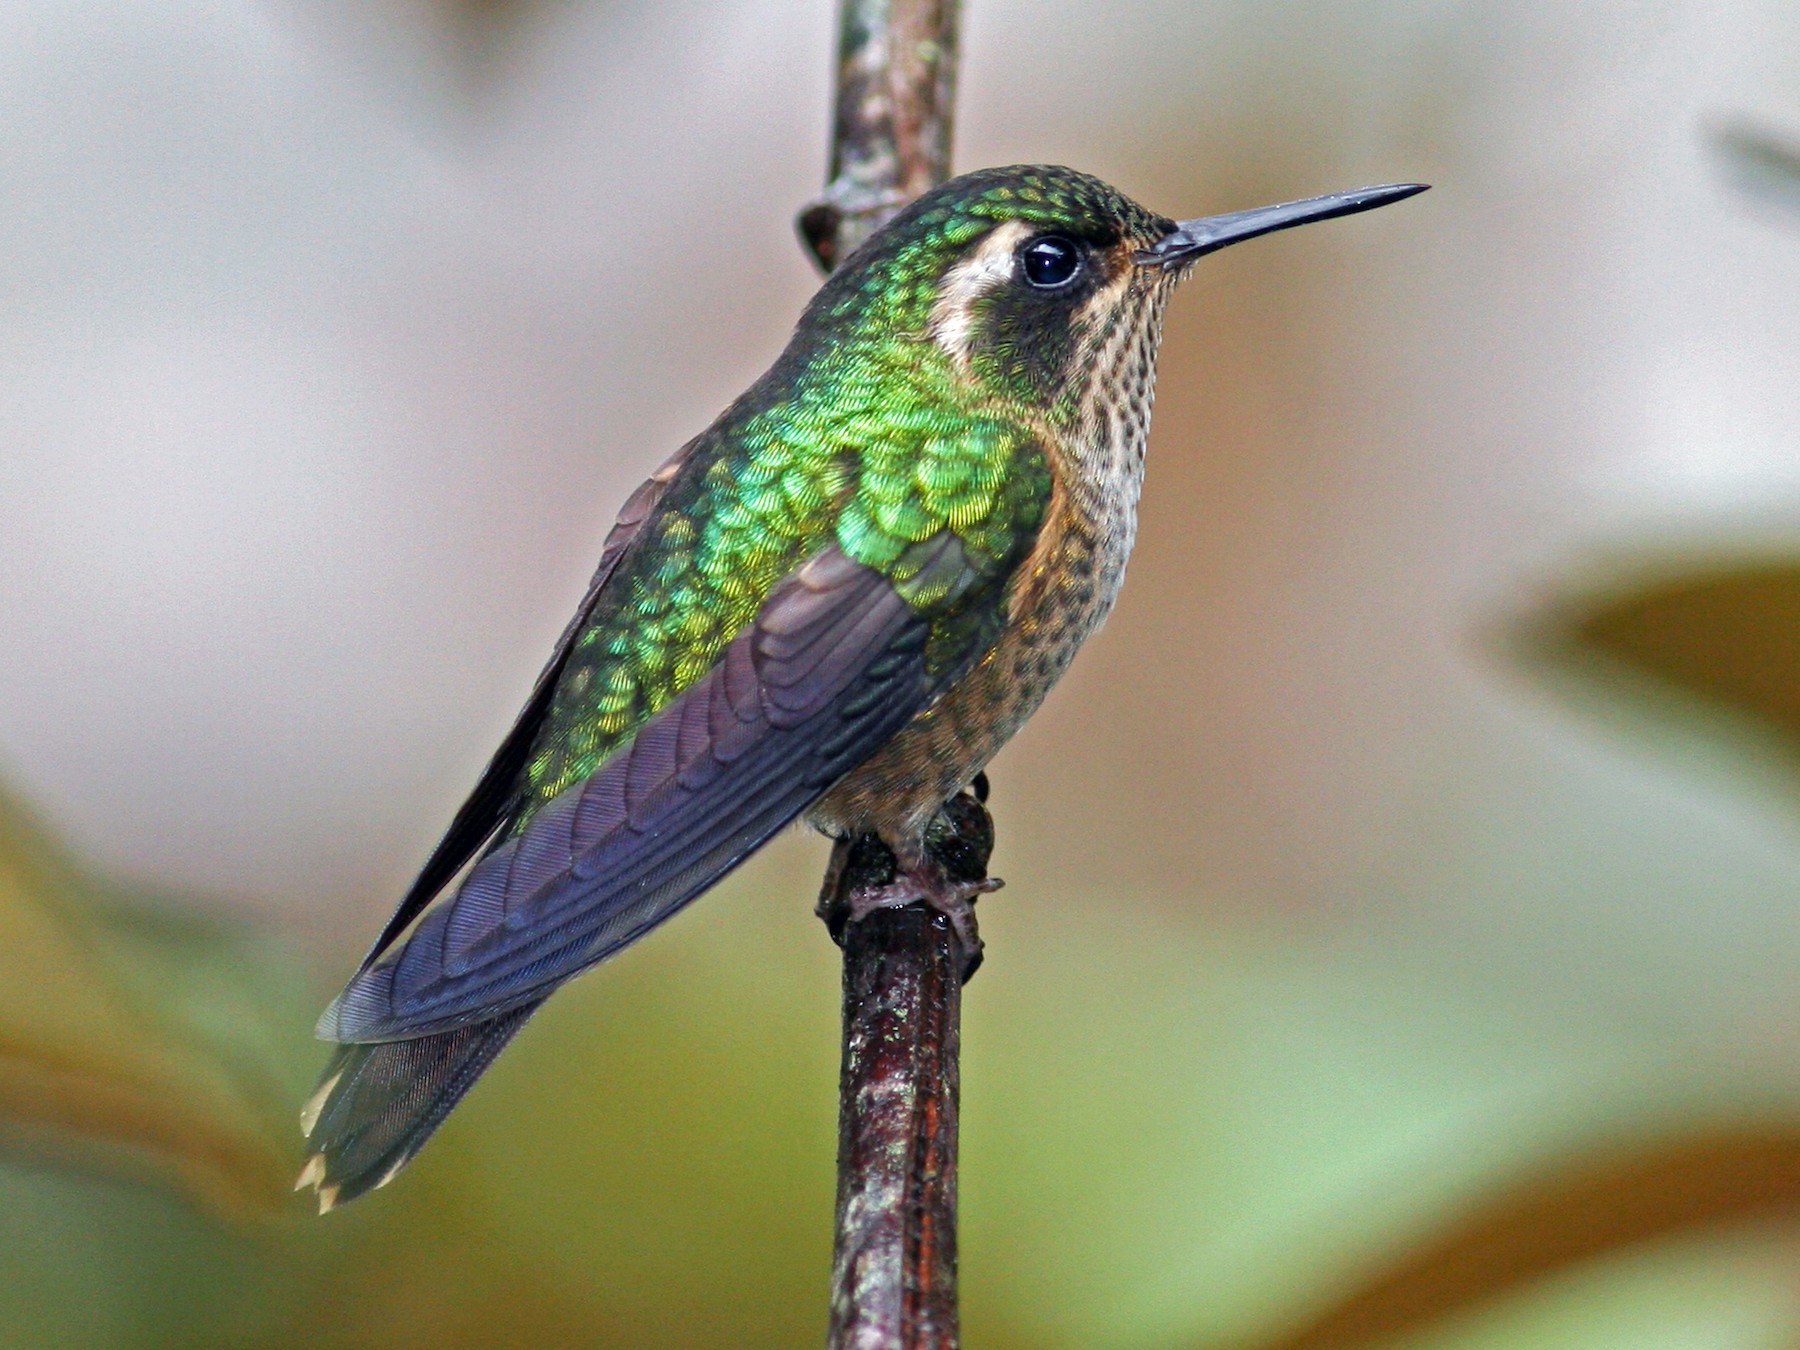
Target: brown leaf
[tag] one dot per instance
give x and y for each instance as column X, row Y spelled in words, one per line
column 1584, row 1208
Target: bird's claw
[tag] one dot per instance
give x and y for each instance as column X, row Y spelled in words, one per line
column 955, row 900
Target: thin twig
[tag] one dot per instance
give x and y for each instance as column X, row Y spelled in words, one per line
column 893, row 1271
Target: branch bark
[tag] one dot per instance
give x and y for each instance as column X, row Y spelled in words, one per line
column 893, row 1272
column 893, row 1269
column 896, row 92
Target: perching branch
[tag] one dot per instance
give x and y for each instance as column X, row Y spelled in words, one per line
column 893, row 1266
column 896, row 92
column 893, row 1270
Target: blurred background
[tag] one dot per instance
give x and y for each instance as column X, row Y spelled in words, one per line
column 1403, row 924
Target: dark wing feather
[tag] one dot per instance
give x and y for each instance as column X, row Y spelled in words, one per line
column 831, row 667
column 495, row 794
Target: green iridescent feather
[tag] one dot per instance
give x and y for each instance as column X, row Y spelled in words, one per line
column 757, row 496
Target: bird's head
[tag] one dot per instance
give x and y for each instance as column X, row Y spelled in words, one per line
column 1039, row 285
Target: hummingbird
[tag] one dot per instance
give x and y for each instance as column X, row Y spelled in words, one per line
column 837, row 602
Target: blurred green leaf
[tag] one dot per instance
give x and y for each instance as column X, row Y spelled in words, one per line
column 132, row 1040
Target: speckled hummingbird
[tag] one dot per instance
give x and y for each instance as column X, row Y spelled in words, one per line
column 838, row 601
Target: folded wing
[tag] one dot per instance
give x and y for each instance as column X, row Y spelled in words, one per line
column 490, row 804
column 833, row 664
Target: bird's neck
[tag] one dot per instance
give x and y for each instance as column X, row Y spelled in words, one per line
column 1103, row 427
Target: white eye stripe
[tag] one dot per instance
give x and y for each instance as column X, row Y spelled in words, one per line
column 990, row 266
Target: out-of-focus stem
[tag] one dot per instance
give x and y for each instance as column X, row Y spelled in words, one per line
column 896, row 90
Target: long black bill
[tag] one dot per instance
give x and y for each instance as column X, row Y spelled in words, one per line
column 1192, row 238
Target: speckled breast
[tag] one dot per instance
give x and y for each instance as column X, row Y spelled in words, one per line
column 1057, row 603
column 1058, row 597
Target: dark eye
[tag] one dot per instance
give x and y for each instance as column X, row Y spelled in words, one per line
column 1050, row 261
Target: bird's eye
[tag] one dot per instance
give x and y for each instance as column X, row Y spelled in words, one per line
column 1050, row 261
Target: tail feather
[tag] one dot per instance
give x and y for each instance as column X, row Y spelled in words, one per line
column 377, row 1104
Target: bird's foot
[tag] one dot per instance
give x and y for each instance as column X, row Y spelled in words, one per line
column 955, row 900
